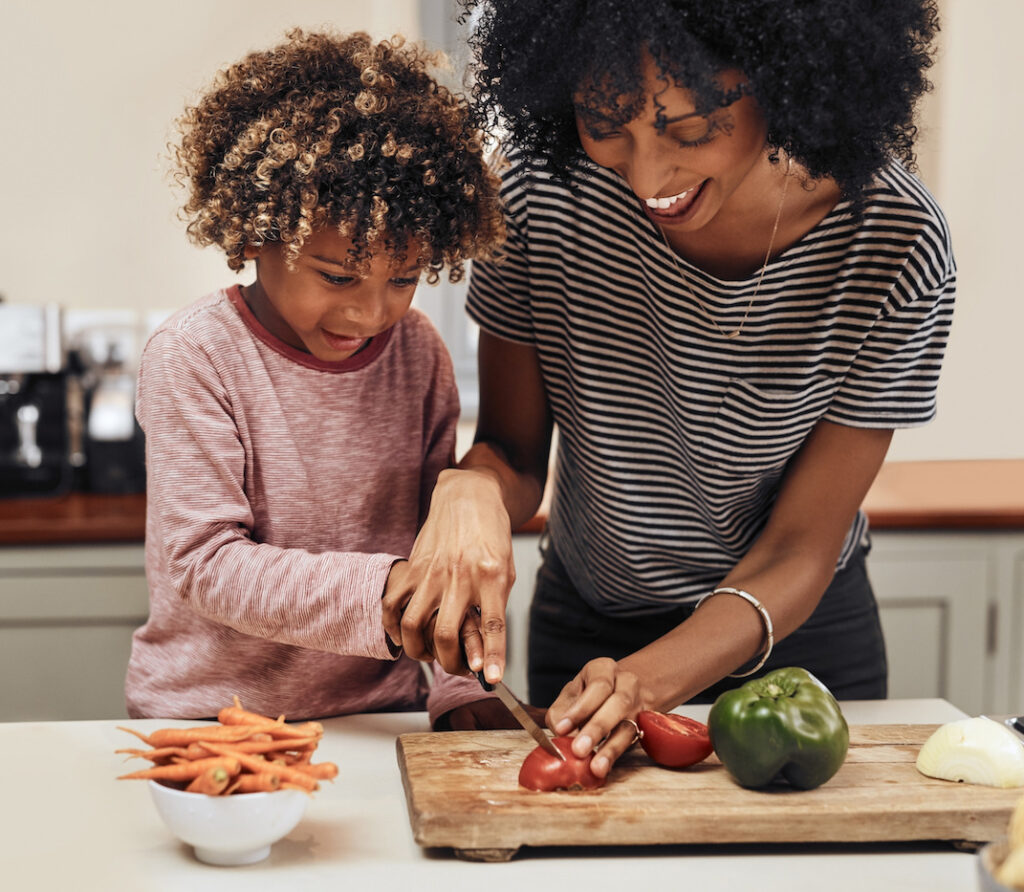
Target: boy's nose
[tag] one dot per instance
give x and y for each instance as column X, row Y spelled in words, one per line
column 369, row 313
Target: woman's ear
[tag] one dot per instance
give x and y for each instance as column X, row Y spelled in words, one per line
column 251, row 252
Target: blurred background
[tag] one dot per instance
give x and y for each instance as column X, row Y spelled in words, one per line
column 89, row 213
column 93, row 256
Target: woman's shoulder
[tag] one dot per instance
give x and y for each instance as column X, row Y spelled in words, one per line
column 900, row 225
column 900, row 199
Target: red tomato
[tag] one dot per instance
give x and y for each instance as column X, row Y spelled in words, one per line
column 674, row 741
column 544, row 772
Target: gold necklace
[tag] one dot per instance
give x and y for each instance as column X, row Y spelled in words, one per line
column 764, row 266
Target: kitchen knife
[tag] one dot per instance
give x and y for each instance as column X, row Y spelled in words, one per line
column 522, row 716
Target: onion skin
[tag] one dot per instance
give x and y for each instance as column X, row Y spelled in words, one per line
column 974, row 751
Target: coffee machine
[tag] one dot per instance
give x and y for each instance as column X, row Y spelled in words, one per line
column 34, row 453
column 112, row 456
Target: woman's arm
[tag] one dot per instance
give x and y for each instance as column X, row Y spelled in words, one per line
column 788, row 569
column 462, row 557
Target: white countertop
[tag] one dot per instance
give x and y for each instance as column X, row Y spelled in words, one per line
column 69, row 825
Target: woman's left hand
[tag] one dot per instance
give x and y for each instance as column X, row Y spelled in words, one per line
column 602, row 702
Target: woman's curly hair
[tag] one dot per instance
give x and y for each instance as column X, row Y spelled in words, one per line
column 836, row 80
column 326, row 130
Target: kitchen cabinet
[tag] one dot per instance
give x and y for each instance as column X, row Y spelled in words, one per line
column 947, row 566
column 952, row 607
column 67, row 614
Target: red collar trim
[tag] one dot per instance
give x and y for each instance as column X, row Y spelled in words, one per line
column 357, row 361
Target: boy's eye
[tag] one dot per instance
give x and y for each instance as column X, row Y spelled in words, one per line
column 336, row 280
column 406, row 281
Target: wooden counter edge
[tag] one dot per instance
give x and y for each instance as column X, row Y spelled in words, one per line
column 971, row 495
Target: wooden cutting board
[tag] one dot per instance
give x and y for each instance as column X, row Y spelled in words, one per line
column 463, row 792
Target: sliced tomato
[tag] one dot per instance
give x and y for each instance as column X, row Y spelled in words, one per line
column 674, row 741
column 543, row 772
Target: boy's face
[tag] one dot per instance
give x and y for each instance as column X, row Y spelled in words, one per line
column 324, row 306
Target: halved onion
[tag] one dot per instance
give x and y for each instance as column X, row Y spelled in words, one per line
column 974, row 751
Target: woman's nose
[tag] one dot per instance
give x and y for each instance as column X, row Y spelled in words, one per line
column 650, row 169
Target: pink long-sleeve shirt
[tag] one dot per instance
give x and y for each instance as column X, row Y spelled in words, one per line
column 280, row 491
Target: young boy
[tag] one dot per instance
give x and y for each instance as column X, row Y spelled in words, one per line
column 295, row 426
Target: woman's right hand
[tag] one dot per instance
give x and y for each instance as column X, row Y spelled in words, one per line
column 461, row 560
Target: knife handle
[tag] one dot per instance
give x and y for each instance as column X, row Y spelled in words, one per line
column 484, row 683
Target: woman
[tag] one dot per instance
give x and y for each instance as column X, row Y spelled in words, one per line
column 725, row 287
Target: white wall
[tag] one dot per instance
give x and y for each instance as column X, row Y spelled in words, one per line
column 89, row 95
column 974, row 130
column 87, row 213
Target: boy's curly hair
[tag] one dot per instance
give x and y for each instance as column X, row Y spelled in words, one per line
column 325, row 130
column 836, row 80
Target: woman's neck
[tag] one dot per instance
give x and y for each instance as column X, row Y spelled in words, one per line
column 733, row 244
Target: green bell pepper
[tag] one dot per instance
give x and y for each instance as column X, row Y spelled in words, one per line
column 786, row 723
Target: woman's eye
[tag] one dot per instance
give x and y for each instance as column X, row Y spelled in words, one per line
column 692, row 143
column 697, row 133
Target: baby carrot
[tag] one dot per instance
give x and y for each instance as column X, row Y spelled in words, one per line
column 251, row 745
column 264, row 782
column 213, row 781
column 184, row 736
column 161, row 755
column 237, row 715
column 319, row 770
column 182, row 771
column 276, row 728
column 257, row 764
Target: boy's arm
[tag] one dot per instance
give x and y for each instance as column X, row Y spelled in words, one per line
column 200, row 523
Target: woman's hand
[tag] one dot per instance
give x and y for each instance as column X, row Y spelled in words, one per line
column 602, row 702
column 461, row 560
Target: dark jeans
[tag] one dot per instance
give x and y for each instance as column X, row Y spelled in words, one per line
column 841, row 642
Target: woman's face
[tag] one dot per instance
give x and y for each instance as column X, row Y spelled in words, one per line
column 686, row 174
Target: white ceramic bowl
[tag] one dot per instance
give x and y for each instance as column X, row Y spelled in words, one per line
column 229, row 830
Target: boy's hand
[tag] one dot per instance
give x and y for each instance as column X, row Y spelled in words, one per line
column 488, row 714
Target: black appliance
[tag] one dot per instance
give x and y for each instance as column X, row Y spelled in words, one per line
column 33, row 402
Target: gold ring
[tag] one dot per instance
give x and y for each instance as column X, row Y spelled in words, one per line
column 637, row 733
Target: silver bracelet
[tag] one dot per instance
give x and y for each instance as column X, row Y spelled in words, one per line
column 769, row 631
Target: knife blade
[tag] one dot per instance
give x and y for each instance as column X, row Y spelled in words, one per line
column 521, row 715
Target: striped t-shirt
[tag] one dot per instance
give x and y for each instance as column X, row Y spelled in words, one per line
column 672, row 438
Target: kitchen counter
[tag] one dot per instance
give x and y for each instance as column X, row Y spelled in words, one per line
column 973, row 494
column 933, row 495
column 76, row 518
column 68, row 823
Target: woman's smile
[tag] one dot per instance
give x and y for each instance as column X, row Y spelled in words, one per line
column 674, row 209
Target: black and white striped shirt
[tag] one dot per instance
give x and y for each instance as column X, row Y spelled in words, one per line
column 673, row 439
